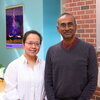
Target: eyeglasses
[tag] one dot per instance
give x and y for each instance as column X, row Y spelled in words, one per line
column 70, row 24
column 31, row 44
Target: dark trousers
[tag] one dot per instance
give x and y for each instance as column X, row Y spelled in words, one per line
column 66, row 99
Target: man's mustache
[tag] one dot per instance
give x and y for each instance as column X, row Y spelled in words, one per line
column 67, row 31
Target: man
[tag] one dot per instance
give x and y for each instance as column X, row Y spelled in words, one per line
column 71, row 65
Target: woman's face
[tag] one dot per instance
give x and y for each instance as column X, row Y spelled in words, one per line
column 32, row 45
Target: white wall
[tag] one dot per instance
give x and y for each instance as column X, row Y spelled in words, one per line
column 99, row 78
column 98, row 25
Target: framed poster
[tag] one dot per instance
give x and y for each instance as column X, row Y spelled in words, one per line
column 14, row 26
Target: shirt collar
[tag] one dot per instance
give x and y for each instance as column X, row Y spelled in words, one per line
column 24, row 60
column 71, row 46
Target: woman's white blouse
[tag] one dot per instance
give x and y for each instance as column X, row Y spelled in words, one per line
column 24, row 83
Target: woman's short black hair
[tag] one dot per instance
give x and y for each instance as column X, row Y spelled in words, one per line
column 31, row 32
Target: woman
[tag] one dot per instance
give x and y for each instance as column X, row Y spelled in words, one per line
column 24, row 76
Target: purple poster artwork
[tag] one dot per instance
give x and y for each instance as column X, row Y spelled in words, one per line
column 14, row 27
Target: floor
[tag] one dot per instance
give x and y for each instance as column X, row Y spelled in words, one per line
column 2, row 86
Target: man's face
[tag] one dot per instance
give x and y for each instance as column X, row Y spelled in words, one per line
column 66, row 27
